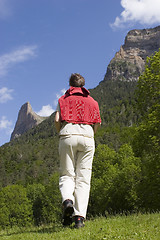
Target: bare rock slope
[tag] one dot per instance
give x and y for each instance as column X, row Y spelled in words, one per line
column 27, row 119
column 129, row 62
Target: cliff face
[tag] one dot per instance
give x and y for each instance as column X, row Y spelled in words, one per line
column 129, row 62
column 27, row 119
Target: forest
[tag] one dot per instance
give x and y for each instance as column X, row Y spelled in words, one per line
column 126, row 166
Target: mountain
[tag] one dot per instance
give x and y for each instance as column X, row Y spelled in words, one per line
column 129, row 62
column 115, row 93
column 33, row 156
column 27, row 119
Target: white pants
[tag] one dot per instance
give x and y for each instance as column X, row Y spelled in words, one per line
column 76, row 157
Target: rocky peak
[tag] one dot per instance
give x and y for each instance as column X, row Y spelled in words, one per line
column 27, row 119
column 146, row 39
column 129, row 62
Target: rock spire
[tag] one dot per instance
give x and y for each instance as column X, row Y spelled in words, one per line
column 27, row 119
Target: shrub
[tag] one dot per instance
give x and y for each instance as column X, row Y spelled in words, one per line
column 114, row 181
column 36, row 194
column 52, row 201
column 15, row 208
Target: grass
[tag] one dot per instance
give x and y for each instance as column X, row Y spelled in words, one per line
column 137, row 226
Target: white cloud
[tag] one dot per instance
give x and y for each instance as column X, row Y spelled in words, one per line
column 19, row 55
column 46, row 111
column 5, row 124
column 142, row 11
column 5, row 94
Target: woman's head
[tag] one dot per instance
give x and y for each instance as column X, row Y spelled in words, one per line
column 76, row 80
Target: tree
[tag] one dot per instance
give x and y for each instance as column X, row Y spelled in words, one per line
column 147, row 137
column 148, row 87
column 15, row 208
column 36, row 194
column 114, row 181
column 146, row 142
column 52, row 202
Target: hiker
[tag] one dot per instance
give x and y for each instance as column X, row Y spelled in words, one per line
column 77, row 119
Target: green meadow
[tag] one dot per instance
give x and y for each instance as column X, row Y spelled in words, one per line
column 136, row 226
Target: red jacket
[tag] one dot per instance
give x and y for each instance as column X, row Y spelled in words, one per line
column 78, row 107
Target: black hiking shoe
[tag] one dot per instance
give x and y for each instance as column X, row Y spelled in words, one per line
column 67, row 212
column 79, row 222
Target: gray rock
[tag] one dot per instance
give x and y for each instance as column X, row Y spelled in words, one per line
column 128, row 64
column 27, row 119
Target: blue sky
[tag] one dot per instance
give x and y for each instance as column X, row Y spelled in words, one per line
column 44, row 41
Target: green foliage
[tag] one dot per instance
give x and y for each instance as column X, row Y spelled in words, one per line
column 15, row 208
column 115, row 180
column 148, row 88
column 4, row 212
column 116, row 100
column 114, row 136
column 36, row 194
column 146, row 142
column 46, row 201
column 36, row 204
column 147, row 134
column 149, row 191
column 32, row 158
column 146, row 145
column 52, row 202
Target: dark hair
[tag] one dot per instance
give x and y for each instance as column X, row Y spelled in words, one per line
column 76, row 80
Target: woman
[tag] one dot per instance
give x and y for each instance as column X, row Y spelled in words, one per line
column 77, row 120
